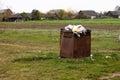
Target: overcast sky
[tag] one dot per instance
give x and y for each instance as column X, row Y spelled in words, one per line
column 46, row 5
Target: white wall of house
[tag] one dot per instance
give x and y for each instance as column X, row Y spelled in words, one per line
column 92, row 17
column 118, row 16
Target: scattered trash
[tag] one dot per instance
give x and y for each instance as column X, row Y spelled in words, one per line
column 119, row 38
column 91, row 57
column 76, row 29
column 108, row 57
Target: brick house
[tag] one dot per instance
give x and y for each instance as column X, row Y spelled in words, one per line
column 5, row 14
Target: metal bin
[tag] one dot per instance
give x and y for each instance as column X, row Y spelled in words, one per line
column 72, row 46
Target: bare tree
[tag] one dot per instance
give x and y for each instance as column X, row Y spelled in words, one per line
column 117, row 8
column 36, row 14
column 61, row 14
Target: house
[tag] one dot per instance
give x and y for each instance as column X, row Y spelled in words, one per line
column 5, row 14
column 87, row 14
column 113, row 14
column 19, row 17
column 16, row 18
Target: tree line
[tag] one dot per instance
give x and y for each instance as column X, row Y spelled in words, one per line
column 60, row 14
column 52, row 14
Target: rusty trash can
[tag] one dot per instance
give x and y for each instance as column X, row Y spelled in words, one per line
column 72, row 46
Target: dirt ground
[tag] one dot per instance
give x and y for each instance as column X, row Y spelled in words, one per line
column 54, row 26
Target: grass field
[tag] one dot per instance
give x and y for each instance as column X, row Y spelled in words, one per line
column 85, row 22
column 33, row 54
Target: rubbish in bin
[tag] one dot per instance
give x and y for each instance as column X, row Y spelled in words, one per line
column 69, row 28
column 79, row 29
column 76, row 29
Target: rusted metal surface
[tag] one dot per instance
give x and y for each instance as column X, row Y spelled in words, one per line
column 72, row 46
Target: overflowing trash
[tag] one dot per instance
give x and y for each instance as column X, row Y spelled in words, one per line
column 76, row 29
column 75, row 42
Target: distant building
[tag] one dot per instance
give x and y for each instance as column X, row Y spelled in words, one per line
column 87, row 14
column 20, row 18
column 113, row 14
column 5, row 14
column 16, row 18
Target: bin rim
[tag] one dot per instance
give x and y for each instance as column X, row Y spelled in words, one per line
column 63, row 30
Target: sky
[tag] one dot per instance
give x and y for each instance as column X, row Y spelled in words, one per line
column 19, row 6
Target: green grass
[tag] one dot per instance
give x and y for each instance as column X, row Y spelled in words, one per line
column 105, row 39
column 86, row 22
column 33, row 54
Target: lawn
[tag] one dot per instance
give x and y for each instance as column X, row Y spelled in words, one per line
column 85, row 22
column 33, row 54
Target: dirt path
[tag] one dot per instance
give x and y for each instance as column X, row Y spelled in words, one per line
column 110, row 76
column 54, row 26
